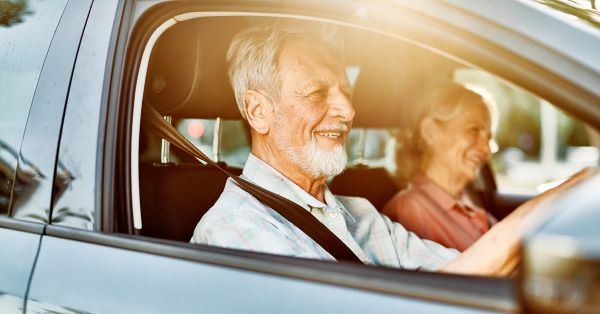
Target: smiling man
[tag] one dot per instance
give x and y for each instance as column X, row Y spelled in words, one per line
column 291, row 87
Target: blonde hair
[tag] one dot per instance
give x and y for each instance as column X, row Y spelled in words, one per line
column 445, row 104
column 254, row 53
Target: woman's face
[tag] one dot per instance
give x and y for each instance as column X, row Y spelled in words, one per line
column 460, row 146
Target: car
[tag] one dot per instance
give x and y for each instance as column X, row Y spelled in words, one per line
column 96, row 211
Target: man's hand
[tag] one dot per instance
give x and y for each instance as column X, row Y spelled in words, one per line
column 497, row 253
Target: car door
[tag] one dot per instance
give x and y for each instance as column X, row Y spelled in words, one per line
column 34, row 74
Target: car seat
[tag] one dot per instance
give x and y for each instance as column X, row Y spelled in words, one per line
column 187, row 78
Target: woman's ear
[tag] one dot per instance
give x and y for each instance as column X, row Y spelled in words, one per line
column 258, row 111
column 429, row 130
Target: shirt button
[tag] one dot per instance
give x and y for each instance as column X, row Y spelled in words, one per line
column 333, row 214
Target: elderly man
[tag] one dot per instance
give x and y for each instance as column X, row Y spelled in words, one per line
column 291, row 87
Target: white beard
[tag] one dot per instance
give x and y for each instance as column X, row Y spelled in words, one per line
column 314, row 161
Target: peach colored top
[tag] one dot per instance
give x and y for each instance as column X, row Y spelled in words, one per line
column 432, row 213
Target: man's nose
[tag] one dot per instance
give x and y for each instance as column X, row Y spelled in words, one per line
column 341, row 106
column 485, row 147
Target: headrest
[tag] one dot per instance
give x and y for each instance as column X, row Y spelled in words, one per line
column 399, row 76
column 187, row 74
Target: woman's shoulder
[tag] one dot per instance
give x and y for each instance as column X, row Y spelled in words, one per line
column 405, row 201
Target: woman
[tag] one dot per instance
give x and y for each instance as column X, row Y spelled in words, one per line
column 443, row 154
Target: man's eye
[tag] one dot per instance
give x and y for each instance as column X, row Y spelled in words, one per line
column 319, row 93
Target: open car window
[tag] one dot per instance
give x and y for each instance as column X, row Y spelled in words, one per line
column 187, row 83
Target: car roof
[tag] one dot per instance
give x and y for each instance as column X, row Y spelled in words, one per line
column 529, row 43
column 574, row 33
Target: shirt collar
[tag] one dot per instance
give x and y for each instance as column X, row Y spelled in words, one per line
column 444, row 199
column 262, row 174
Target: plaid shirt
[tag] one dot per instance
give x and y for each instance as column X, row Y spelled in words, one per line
column 239, row 221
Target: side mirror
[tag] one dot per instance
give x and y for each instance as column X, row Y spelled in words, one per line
column 560, row 274
column 561, row 254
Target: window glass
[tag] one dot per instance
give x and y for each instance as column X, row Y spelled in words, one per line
column 231, row 146
column 372, row 147
column 26, row 30
column 390, row 77
column 536, row 145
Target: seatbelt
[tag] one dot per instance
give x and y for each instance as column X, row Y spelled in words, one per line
column 291, row 211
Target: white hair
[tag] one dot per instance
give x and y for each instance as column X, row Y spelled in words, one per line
column 254, row 53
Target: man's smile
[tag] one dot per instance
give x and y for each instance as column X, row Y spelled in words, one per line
column 475, row 161
column 335, row 133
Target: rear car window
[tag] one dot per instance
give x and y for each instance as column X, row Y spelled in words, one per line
column 26, row 30
column 225, row 141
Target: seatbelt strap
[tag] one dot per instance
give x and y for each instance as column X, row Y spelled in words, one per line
column 291, row 211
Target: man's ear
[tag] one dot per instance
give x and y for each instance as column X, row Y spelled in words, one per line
column 429, row 130
column 258, row 111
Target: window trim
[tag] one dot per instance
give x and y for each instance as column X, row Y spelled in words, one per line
column 21, row 225
column 136, row 122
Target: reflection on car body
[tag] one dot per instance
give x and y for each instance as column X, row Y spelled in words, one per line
column 26, row 178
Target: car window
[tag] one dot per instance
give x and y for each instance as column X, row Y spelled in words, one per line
column 387, row 77
column 380, row 91
column 196, row 95
column 536, row 145
column 26, row 30
column 373, row 147
column 225, row 141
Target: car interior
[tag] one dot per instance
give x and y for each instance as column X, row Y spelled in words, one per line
column 187, row 79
